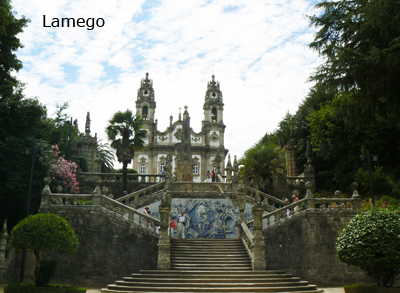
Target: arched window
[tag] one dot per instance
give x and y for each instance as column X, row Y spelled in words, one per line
column 145, row 112
column 214, row 115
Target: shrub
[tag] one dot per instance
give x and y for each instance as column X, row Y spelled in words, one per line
column 358, row 288
column 371, row 241
column 44, row 232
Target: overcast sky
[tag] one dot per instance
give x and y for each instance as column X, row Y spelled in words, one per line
column 258, row 51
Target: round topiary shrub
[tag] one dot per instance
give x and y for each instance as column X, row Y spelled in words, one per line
column 371, row 241
column 44, row 232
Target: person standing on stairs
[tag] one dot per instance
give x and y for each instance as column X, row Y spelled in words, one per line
column 172, row 226
column 144, row 220
column 181, row 225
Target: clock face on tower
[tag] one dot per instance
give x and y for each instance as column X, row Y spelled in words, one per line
column 213, row 95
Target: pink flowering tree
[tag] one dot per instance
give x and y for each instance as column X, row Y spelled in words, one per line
column 63, row 172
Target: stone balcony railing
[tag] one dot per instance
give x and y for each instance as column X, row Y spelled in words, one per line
column 99, row 199
column 334, row 205
column 117, row 177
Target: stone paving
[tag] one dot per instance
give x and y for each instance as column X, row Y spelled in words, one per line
column 326, row 290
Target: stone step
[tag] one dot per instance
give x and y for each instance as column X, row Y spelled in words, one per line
column 208, row 258
column 209, row 261
column 208, row 279
column 201, row 268
column 216, row 273
column 179, row 284
column 238, row 288
column 195, row 250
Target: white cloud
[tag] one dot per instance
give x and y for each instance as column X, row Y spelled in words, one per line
column 257, row 50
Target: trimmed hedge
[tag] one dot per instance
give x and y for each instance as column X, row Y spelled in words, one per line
column 31, row 288
column 358, row 288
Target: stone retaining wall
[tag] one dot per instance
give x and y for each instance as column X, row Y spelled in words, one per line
column 305, row 247
column 108, row 251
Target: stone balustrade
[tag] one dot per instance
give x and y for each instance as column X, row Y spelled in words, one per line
column 98, row 198
column 117, row 177
column 202, row 189
column 309, row 203
column 268, row 201
column 246, row 236
column 135, row 197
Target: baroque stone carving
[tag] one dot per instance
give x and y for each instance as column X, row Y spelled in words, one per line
column 214, row 137
column 196, row 139
column 163, row 138
column 178, row 134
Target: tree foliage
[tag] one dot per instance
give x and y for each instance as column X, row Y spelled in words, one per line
column 10, row 26
column 107, row 155
column 62, row 128
column 126, row 133
column 371, row 241
column 263, row 167
column 23, row 122
column 44, row 232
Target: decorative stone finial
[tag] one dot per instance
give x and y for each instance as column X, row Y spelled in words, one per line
column 87, row 124
column 309, row 192
column 337, row 193
column 170, row 120
column 354, row 185
column 229, row 164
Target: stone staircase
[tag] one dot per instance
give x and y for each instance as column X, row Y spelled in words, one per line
column 210, row 265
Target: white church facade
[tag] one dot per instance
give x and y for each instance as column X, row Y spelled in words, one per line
column 207, row 146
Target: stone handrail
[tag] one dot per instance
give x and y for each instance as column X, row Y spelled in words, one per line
column 332, row 204
column 247, row 237
column 202, row 187
column 141, row 193
column 117, row 177
column 251, row 192
column 95, row 199
column 121, row 208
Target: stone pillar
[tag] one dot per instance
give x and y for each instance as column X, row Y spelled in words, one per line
column 229, row 169
column 46, row 192
column 258, row 251
column 96, row 192
column 241, row 199
column 3, row 260
column 356, row 196
column 310, row 196
column 164, row 241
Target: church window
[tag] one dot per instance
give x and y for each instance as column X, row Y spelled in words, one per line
column 145, row 112
column 195, row 169
column 214, row 115
column 142, row 168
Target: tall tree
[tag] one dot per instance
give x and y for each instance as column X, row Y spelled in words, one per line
column 360, row 42
column 126, row 133
column 10, row 26
column 23, row 123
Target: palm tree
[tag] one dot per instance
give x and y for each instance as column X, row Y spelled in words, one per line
column 107, row 155
column 263, row 167
column 126, row 133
